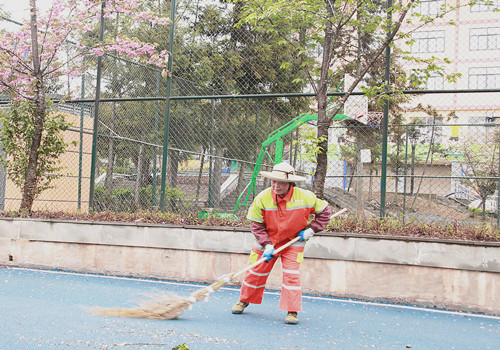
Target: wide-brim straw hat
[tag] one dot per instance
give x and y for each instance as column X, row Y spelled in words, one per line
column 283, row 172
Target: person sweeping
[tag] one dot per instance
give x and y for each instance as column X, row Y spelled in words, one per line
column 279, row 214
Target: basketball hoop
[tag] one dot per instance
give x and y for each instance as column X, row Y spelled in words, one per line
column 374, row 119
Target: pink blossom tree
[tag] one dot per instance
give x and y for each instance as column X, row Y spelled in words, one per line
column 34, row 57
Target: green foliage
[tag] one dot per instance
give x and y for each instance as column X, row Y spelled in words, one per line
column 119, row 200
column 310, row 144
column 348, row 35
column 394, row 227
column 480, row 160
column 122, row 199
column 176, row 201
column 16, row 137
column 389, row 227
column 474, row 211
column 233, row 59
column 182, row 346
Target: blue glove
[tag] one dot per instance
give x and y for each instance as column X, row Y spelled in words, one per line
column 268, row 252
column 305, row 234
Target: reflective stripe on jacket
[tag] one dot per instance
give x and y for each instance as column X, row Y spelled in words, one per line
column 285, row 217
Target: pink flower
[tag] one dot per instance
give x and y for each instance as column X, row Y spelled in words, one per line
column 68, row 19
column 98, row 51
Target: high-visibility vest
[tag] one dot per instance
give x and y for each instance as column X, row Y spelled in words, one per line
column 287, row 216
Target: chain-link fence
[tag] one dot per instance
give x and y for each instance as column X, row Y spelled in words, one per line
column 229, row 113
column 436, row 171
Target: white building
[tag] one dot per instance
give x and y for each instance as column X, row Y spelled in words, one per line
column 473, row 47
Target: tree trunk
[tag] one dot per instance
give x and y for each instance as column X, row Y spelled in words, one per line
column 241, row 179
column 322, row 132
column 144, row 169
column 108, row 182
column 200, row 175
column 138, row 180
column 217, row 178
column 173, row 166
column 296, row 148
column 370, row 186
column 323, row 122
column 29, row 188
column 173, row 169
column 322, row 162
column 359, row 183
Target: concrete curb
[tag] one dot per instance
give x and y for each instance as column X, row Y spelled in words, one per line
column 452, row 274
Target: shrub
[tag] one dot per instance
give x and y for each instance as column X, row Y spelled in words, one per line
column 122, row 199
column 118, row 200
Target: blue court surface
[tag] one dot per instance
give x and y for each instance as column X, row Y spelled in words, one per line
column 43, row 309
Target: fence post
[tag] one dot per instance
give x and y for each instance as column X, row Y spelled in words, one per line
column 167, row 107
column 3, row 180
column 210, row 154
column 406, row 172
column 80, row 146
column 385, row 121
column 157, row 114
column 95, row 134
column 498, row 189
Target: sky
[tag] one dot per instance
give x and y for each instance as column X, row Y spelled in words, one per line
column 19, row 8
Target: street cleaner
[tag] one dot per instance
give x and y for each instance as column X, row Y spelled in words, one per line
column 278, row 214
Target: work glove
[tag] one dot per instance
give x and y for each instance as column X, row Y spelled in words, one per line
column 305, row 234
column 268, row 252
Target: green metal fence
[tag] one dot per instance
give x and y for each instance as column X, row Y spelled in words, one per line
column 191, row 144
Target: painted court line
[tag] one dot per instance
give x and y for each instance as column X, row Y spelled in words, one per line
column 331, row 299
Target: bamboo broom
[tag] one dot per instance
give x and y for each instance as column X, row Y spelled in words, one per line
column 170, row 306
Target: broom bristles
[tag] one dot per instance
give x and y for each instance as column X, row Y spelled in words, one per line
column 164, row 307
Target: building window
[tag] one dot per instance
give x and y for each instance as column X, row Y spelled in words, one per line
column 484, row 6
column 435, row 82
column 484, row 78
column 426, row 42
column 488, row 118
column 478, row 130
column 422, row 81
column 429, row 7
column 484, row 38
column 432, row 132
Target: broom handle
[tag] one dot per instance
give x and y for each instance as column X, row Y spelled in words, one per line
column 261, row 260
column 284, row 246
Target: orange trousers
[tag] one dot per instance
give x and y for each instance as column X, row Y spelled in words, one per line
column 254, row 282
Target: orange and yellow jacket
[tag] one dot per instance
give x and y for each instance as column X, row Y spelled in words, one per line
column 277, row 220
